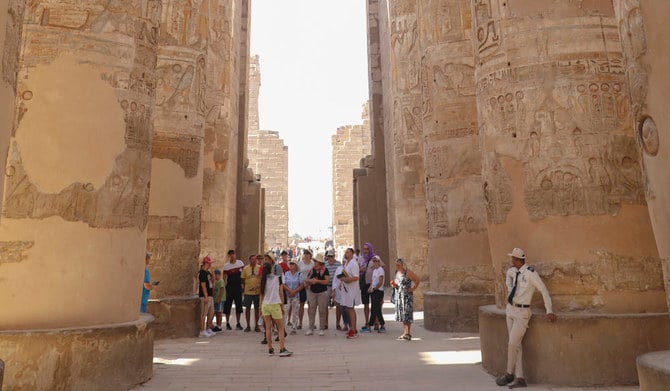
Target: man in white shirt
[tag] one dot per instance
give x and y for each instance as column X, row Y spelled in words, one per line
column 521, row 281
column 352, row 291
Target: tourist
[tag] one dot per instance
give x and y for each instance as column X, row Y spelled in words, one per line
column 317, row 281
column 251, row 283
column 283, row 263
column 219, row 299
column 293, row 284
column 338, row 289
column 351, row 296
column 272, row 292
column 364, row 281
column 405, row 283
column 304, row 266
column 232, row 275
column 376, row 291
column 521, row 281
column 147, row 285
column 332, row 264
column 206, row 300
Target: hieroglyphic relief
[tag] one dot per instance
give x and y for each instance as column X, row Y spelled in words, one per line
column 455, row 207
column 497, row 189
column 441, row 21
column 183, row 150
column 404, row 45
column 174, row 85
column 185, row 23
column 486, row 29
column 13, row 32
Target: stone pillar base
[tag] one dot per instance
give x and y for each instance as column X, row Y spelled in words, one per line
column 176, row 317
column 580, row 349
column 453, row 311
column 653, row 371
column 106, row 358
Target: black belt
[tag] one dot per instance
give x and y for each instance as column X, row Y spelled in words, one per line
column 522, row 305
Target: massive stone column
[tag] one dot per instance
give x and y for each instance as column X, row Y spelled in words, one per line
column 76, row 193
column 404, row 137
column 562, row 180
column 177, row 168
column 461, row 276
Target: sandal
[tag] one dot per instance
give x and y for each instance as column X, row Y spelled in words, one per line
column 407, row 337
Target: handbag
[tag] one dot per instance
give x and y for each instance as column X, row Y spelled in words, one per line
column 393, row 296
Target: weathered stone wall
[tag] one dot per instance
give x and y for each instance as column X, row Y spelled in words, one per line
column 349, row 144
column 643, row 29
column 76, row 185
column 561, row 169
column 268, row 157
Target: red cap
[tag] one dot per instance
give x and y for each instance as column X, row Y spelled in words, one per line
column 207, row 260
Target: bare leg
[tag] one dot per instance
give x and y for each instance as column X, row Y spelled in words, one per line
column 352, row 319
column 280, row 330
column 301, row 313
column 366, row 311
column 268, row 330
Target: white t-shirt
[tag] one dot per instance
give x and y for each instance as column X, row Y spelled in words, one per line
column 304, row 268
column 337, row 285
column 351, row 296
column 271, row 295
column 378, row 272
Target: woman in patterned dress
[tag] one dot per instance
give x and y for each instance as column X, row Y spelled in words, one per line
column 404, row 300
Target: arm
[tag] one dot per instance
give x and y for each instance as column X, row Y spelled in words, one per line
column 148, row 286
column 203, row 285
column 539, row 285
column 415, row 279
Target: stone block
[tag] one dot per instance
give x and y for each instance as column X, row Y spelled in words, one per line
column 105, row 358
column 653, row 370
column 590, row 349
column 454, row 312
column 175, row 317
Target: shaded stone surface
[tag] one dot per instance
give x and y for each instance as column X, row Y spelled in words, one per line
column 107, row 357
column 654, row 371
column 174, row 317
column 589, row 349
column 454, row 311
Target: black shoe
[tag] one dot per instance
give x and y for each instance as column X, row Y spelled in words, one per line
column 239, row 327
column 216, row 329
column 228, row 326
column 519, row 382
column 257, row 329
column 271, row 351
column 248, row 329
column 505, row 379
column 264, row 341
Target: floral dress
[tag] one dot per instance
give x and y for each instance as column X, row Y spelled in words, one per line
column 404, row 302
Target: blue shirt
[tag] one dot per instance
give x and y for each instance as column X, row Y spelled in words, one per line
column 292, row 281
column 145, row 291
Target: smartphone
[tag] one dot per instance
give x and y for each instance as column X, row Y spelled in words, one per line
column 155, row 283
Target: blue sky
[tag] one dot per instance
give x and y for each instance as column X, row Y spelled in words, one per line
column 313, row 59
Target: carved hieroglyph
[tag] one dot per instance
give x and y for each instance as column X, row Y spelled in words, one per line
column 457, row 243
column 77, row 177
column 556, row 134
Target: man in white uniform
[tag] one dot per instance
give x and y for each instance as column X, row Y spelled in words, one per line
column 521, row 281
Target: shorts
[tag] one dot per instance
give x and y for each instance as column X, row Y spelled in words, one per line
column 218, row 307
column 251, row 299
column 233, row 296
column 303, row 295
column 365, row 295
column 273, row 310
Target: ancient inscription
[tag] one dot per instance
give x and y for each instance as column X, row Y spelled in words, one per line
column 11, row 252
column 497, row 190
column 486, row 30
column 13, row 38
column 174, row 82
column 183, row 150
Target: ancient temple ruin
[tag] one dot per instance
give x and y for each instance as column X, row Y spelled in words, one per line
column 493, row 124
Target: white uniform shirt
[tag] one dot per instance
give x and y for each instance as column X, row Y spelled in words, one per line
column 527, row 282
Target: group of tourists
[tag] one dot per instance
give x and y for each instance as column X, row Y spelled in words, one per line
column 282, row 287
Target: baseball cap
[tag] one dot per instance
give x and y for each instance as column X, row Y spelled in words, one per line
column 517, row 253
column 330, row 253
column 207, row 259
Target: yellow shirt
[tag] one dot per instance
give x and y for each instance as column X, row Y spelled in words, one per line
column 252, row 281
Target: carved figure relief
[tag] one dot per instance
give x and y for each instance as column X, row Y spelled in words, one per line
column 404, row 40
column 497, row 190
column 174, row 86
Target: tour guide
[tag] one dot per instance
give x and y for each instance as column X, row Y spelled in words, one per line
column 521, row 283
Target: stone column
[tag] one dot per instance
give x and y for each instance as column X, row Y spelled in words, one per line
column 461, row 276
column 562, row 181
column 76, row 193
column 403, row 130
column 177, row 169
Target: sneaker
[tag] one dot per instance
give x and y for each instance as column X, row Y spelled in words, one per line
column 257, row 329
column 293, row 332
column 289, row 324
column 407, row 337
column 264, row 341
column 505, row 379
column 299, row 327
column 247, row 329
column 228, row 326
column 309, row 332
column 338, row 327
column 322, row 333
column 519, row 382
column 239, row 327
column 382, row 330
column 351, row 334
column 376, row 327
column 284, row 353
column 400, row 338
column 210, row 332
column 271, row 351
column 204, row 334
column 365, row 329
column 217, row 329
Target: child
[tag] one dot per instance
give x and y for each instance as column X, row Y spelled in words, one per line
column 219, row 299
column 272, row 294
column 337, row 288
column 377, row 294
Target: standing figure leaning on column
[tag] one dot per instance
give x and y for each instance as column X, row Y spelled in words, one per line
column 521, row 281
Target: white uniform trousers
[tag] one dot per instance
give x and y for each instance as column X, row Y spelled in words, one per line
column 517, row 324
